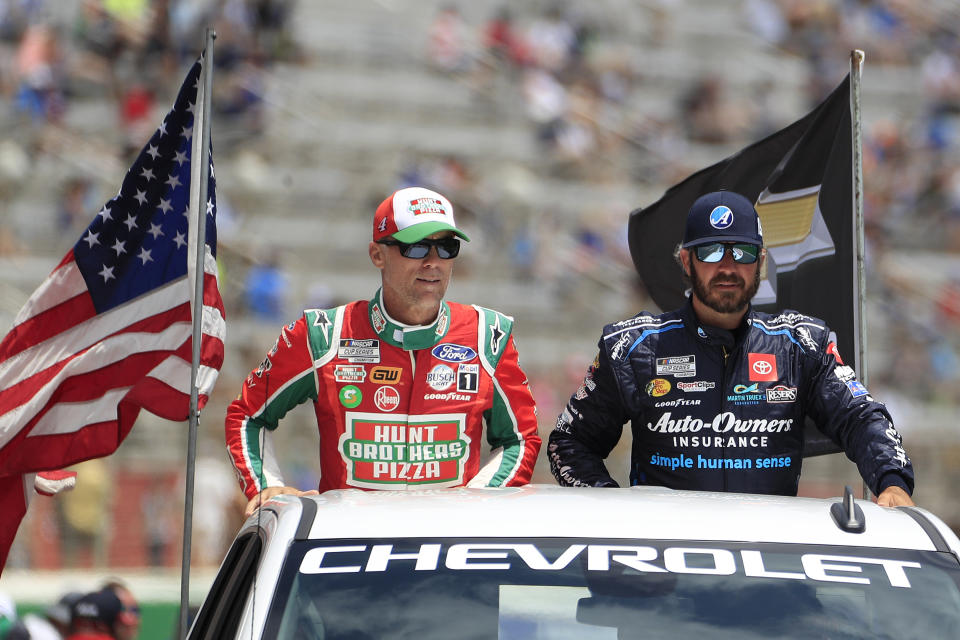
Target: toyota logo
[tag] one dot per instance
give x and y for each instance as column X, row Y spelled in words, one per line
column 762, row 367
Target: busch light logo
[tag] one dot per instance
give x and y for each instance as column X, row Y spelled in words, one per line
column 453, row 353
column 721, row 217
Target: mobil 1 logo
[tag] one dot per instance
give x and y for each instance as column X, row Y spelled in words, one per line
column 468, row 378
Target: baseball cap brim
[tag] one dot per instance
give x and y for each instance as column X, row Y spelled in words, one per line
column 418, row 232
column 719, row 238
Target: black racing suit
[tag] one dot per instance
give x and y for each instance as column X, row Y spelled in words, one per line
column 719, row 410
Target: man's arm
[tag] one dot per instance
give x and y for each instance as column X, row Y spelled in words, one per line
column 844, row 410
column 588, row 429
column 283, row 380
column 512, row 418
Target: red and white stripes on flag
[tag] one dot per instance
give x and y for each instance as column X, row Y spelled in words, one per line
column 69, row 374
column 110, row 331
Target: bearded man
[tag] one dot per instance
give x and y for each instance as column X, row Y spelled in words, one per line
column 717, row 392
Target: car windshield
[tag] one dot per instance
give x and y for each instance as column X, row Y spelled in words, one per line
column 610, row 589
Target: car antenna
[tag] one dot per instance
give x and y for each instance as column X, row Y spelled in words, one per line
column 847, row 514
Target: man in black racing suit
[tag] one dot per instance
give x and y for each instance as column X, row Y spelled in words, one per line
column 717, row 392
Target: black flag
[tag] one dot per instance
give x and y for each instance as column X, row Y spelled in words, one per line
column 801, row 179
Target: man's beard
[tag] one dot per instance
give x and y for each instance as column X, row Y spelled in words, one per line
column 724, row 301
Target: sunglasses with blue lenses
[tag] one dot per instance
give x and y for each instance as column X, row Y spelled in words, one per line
column 447, row 248
column 741, row 252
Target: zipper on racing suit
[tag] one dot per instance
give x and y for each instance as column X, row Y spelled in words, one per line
column 723, row 386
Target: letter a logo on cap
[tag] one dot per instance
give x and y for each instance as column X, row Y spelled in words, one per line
column 721, row 217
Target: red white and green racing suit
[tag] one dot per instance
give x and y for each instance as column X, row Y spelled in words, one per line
column 397, row 407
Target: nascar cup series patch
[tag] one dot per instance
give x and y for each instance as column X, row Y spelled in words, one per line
column 353, row 350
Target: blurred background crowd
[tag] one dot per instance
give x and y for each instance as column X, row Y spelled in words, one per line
column 545, row 122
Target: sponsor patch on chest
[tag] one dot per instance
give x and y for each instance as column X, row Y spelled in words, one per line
column 449, row 352
column 440, row 378
column 677, row 366
column 349, row 373
column 354, row 350
column 397, row 451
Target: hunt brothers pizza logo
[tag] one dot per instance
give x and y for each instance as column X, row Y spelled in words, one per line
column 396, row 451
column 421, row 206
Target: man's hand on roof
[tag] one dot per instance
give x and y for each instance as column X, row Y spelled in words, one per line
column 894, row 496
column 269, row 492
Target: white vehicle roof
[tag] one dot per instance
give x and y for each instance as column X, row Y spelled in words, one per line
column 259, row 554
column 636, row 512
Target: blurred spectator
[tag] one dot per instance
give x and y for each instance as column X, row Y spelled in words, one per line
column 766, row 20
column 82, row 510
column 136, row 115
column 265, row 288
column 76, row 205
column 213, row 508
column 551, row 40
column 160, row 523
column 8, row 614
column 503, row 42
column 546, row 102
column 271, row 19
column 95, row 616
column 127, row 624
column 446, row 40
column 948, row 304
column 709, row 115
column 40, row 74
column 54, row 623
column 100, row 42
column 523, row 254
column 240, row 96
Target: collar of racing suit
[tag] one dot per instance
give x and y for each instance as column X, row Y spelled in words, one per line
column 405, row 336
column 715, row 335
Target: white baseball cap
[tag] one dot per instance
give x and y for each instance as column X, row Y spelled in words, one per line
column 410, row 215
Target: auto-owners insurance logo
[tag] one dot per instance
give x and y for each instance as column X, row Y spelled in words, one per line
column 393, row 451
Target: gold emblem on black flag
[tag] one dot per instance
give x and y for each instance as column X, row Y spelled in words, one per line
column 794, row 232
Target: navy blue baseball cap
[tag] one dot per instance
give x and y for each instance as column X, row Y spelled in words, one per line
column 722, row 216
column 99, row 606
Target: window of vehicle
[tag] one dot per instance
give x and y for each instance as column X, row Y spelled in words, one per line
column 220, row 615
column 588, row 588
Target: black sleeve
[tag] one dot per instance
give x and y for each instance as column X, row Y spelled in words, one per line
column 588, row 429
column 861, row 426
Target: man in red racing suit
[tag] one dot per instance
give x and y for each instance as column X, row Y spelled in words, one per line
column 401, row 384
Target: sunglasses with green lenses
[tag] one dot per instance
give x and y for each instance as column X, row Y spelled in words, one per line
column 447, row 248
column 741, row 252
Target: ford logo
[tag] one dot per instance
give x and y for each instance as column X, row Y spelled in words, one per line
column 453, row 353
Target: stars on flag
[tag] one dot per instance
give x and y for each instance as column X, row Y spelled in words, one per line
column 133, row 244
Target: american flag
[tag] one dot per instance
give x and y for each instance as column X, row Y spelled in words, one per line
column 110, row 330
